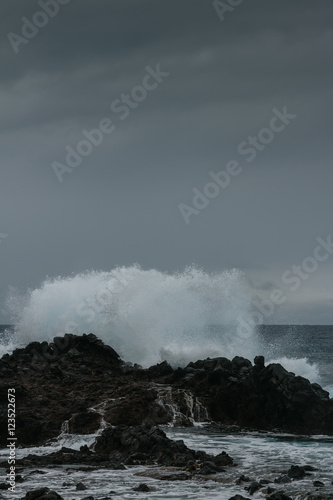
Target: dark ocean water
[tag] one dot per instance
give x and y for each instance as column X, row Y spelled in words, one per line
column 311, row 342
column 315, row 342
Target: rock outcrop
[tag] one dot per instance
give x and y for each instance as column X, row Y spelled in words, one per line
column 271, row 398
column 77, row 383
column 120, row 446
column 146, row 445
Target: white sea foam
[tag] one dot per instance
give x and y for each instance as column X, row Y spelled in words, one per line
column 7, row 347
column 300, row 366
column 146, row 315
column 303, row 368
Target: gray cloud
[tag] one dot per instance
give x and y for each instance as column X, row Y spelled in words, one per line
column 120, row 205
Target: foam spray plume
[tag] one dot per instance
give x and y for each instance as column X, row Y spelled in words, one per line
column 145, row 315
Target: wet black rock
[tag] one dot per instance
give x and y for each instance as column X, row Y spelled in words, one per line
column 296, row 472
column 268, row 398
column 142, row 487
column 284, row 479
column 253, row 487
column 142, row 445
column 238, row 497
column 223, row 459
column 279, row 495
column 207, row 471
column 309, row 468
column 159, row 370
column 191, row 466
column 86, row 422
column 269, row 490
column 61, row 381
column 65, row 456
column 259, row 362
column 42, row 494
column 81, row 487
column 146, row 445
column 242, row 479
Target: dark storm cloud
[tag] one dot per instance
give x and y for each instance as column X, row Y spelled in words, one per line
column 120, row 205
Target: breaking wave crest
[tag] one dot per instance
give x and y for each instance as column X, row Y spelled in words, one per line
column 146, row 315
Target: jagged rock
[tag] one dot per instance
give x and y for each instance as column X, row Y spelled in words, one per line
column 270, row 398
column 143, row 445
column 61, row 381
column 259, row 361
column 206, row 471
column 147, row 445
column 159, row 370
column 223, row 459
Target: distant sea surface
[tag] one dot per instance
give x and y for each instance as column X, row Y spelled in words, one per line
column 292, row 342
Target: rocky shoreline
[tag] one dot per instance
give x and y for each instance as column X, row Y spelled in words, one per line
column 123, row 447
column 78, row 385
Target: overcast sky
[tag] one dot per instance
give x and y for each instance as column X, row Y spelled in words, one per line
column 125, row 202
